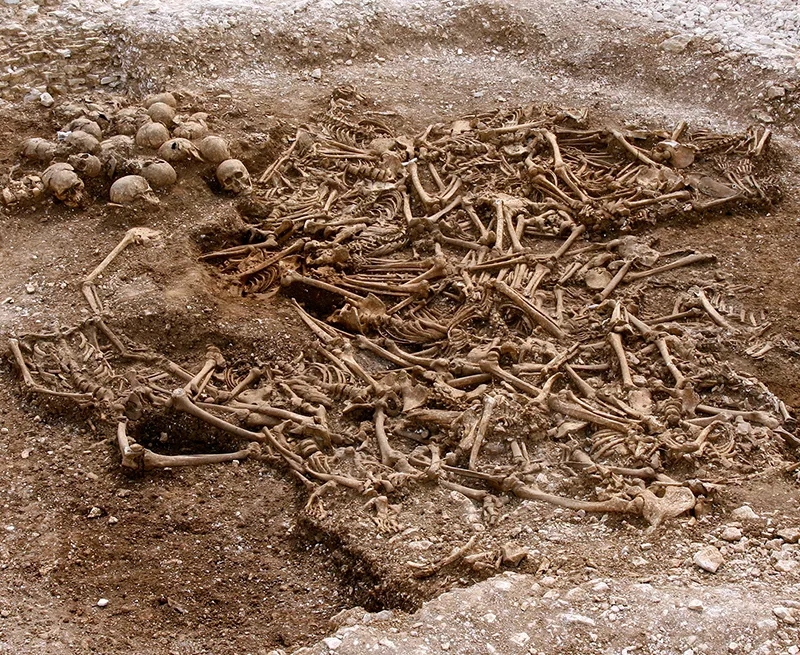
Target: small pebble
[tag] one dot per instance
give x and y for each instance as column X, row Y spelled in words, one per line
column 745, row 512
column 46, row 100
column 790, row 535
column 102, row 602
column 696, row 605
column 112, row 520
column 677, row 43
column 731, row 534
column 784, row 614
column 94, row 513
column 775, row 92
column 332, row 642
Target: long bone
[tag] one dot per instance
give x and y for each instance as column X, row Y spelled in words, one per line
column 571, row 239
column 291, row 277
column 136, row 235
column 712, row 312
column 678, row 263
column 139, row 458
column 389, row 456
column 427, row 200
column 680, row 380
column 486, row 237
column 613, row 505
column 214, row 359
column 638, row 154
column 763, row 418
column 615, row 281
column 562, row 170
column 297, row 246
column 536, row 315
column 615, row 339
column 273, row 168
column 480, row 433
column 577, row 412
column 29, row 382
column 181, row 401
column 253, row 375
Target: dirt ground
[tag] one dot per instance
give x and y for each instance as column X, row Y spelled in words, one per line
column 221, row 559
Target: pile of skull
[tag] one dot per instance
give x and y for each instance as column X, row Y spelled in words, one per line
column 126, row 152
column 456, row 346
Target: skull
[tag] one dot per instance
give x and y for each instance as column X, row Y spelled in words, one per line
column 233, row 176
column 161, row 112
column 84, row 124
column 39, row 149
column 87, row 164
column 79, row 141
column 158, row 173
column 178, row 150
column 165, row 98
column 119, row 145
column 214, row 149
column 191, row 130
column 62, row 181
column 132, row 189
column 152, row 135
column 129, row 119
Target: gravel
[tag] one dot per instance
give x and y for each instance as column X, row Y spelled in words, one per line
column 767, row 30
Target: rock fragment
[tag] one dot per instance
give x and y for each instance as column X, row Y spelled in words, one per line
column 731, row 534
column 709, row 559
column 677, row 43
column 744, row 513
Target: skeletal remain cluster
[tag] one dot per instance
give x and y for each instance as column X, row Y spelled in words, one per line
column 121, row 152
column 468, row 334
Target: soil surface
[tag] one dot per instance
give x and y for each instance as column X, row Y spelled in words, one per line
column 221, row 558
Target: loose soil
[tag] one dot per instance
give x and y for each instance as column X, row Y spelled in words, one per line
column 221, row 559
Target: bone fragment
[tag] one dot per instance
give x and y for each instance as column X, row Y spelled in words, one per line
column 432, row 569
